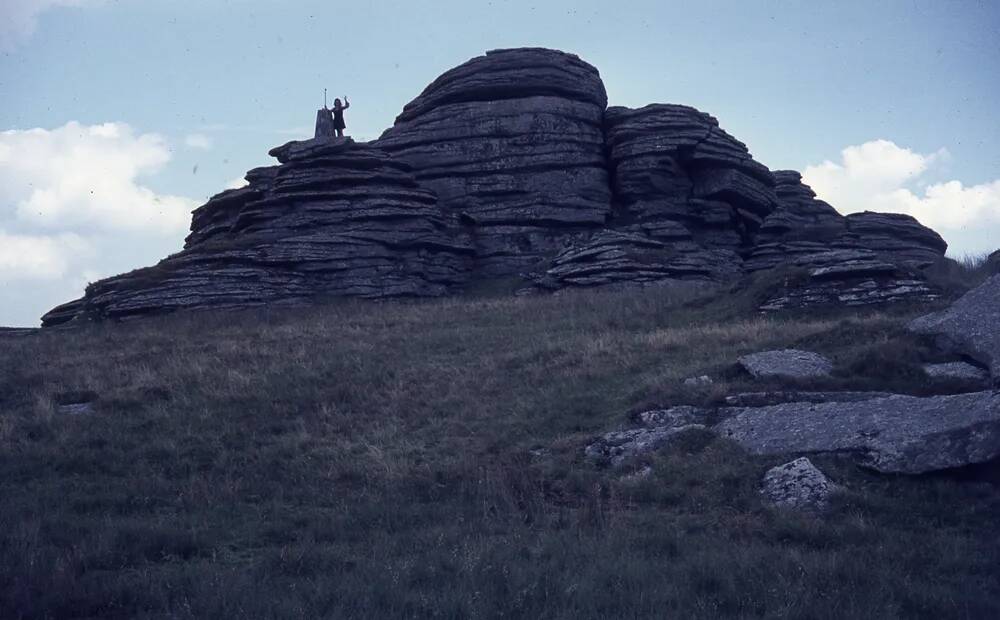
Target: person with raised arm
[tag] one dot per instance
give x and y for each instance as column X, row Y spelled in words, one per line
column 338, row 115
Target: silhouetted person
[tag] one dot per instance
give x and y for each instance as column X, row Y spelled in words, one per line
column 338, row 116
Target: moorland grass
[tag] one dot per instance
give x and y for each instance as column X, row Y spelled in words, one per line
column 424, row 460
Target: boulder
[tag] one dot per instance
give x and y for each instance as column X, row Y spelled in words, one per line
column 897, row 434
column 786, row 364
column 970, row 326
column 512, row 142
column 798, row 485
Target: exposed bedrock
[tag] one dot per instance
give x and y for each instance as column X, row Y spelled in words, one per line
column 512, row 143
column 674, row 170
column 511, row 165
column 335, row 218
column 687, row 199
column 804, row 225
column 614, row 257
column 863, row 258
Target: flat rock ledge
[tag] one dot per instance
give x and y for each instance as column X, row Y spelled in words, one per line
column 798, row 485
column 786, row 364
column 897, row 434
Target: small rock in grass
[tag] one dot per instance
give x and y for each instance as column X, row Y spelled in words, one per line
column 620, row 447
column 696, row 381
column 786, row 364
column 75, row 409
column 798, row 485
column 75, row 402
column 680, row 415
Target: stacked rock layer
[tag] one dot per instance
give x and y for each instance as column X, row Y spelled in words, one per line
column 510, row 166
column 512, row 143
column 336, row 218
column 858, row 259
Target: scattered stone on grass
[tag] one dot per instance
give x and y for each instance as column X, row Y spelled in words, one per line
column 620, row 447
column 798, row 485
column 75, row 402
column 696, row 381
column 75, row 409
column 681, row 415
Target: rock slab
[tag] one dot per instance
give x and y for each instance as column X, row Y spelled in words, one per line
column 898, row 434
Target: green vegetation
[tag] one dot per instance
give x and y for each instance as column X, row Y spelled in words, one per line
column 424, row 460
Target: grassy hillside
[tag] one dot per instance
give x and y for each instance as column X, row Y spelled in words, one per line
column 424, row 460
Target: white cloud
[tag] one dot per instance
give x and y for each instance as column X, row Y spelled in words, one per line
column 237, row 183
column 882, row 176
column 73, row 210
column 87, row 176
column 40, row 257
column 19, row 18
column 198, row 141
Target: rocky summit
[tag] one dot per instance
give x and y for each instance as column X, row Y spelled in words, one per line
column 511, row 166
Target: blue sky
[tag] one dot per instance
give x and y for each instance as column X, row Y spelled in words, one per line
column 889, row 105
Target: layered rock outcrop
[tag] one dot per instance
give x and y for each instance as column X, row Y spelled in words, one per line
column 858, row 259
column 512, row 143
column 509, row 166
column 678, row 176
column 335, row 218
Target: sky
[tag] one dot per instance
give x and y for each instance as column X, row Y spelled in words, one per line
column 120, row 117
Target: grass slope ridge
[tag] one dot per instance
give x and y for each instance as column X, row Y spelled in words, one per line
column 424, row 460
